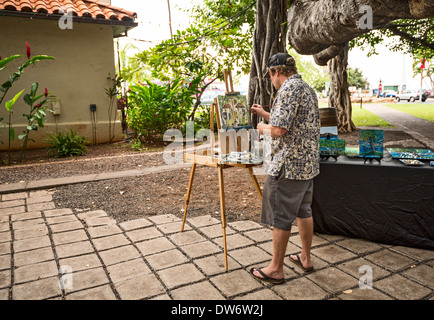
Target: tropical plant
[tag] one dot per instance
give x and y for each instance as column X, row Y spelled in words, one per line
column 112, row 94
column 424, row 68
column 66, row 144
column 6, row 86
column 155, row 108
column 11, row 130
column 36, row 116
column 216, row 41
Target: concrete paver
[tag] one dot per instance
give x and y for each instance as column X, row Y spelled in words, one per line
column 149, row 258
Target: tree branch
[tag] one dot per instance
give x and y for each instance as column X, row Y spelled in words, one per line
column 395, row 30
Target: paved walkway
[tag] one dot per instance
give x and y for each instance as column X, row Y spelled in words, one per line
column 420, row 129
column 49, row 253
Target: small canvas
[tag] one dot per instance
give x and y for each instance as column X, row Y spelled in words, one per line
column 331, row 148
column 329, row 133
column 404, row 153
column 233, row 112
column 371, row 143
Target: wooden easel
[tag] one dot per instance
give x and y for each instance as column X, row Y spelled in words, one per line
column 211, row 161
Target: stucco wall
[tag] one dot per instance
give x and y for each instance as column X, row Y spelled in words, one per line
column 78, row 76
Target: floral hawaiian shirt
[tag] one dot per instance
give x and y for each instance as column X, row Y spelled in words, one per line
column 295, row 109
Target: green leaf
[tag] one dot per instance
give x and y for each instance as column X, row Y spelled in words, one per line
column 27, row 99
column 34, row 89
column 22, row 136
column 5, row 61
column 34, row 60
column 11, row 103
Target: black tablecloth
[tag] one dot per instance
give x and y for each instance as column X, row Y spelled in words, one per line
column 387, row 203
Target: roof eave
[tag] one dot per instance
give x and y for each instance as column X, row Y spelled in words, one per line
column 127, row 25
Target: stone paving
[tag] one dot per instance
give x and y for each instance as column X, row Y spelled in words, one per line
column 51, row 253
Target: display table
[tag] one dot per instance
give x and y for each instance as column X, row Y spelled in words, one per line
column 388, row 203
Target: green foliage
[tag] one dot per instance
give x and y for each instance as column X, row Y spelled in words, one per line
column 112, row 93
column 36, row 116
column 156, row 108
column 220, row 38
column 355, row 78
column 407, row 35
column 67, row 144
column 311, row 73
column 7, row 85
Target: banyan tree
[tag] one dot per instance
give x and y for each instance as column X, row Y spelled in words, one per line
column 322, row 28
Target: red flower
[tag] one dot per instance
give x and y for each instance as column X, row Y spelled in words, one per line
column 46, row 92
column 28, row 50
column 38, row 106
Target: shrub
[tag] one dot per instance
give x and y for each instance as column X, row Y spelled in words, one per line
column 67, row 144
column 154, row 108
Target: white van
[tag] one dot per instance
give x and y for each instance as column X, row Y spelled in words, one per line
column 412, row 95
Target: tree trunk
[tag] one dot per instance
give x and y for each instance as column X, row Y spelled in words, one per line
column 339, row 95
column 269, row 38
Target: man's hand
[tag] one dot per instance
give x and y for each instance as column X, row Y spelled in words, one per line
column 259, row 110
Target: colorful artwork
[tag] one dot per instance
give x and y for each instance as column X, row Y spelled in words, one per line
column 418, row 154
column 233, row 111
column 329, row 133
column 352, row 152
column 409, row 162
column 331, row 148
column 371, row 143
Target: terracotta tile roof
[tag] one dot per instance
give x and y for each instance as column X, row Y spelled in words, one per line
column 80, row 8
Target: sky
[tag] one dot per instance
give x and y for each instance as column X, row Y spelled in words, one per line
column 153, row 18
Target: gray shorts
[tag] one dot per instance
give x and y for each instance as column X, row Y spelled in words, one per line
column 283, row 200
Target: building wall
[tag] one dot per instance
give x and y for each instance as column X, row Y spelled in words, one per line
column 78, row 77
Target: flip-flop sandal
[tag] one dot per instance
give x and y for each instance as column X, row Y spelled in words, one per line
column 299, row 264
column 265, row 277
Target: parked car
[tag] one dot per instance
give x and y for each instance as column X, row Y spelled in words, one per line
column 389, row 94
column 412, row 95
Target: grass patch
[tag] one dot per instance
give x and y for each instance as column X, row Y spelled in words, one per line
column 420, row 110
column 365, row 118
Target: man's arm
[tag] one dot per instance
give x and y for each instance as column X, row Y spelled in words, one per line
column 275, row 131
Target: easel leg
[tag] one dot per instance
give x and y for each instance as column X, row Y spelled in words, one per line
column 222, row 213
column 255, row 182
column 187, row 198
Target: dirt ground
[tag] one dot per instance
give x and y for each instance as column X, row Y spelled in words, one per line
column 153, row 194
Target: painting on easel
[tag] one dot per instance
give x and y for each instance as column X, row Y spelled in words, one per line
column 233, row 112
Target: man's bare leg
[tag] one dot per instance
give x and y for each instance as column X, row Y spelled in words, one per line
column 305, row 229
column 280, row 242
